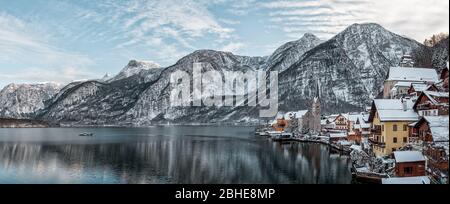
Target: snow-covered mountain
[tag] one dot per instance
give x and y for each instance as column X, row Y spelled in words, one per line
column 291, row 52
column 135, row 67
column 154, row 104
column 140, row 98
column 350, row 69
column 23, row 100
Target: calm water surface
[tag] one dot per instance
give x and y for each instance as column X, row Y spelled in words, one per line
column 187, row 155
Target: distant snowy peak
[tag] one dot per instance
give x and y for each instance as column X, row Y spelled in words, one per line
column 44, row 86
column 291, row 52
column 22, row 100
column 135, row 67
column 221, row 60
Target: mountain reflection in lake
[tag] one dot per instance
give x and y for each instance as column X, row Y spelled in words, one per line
column 186, row 155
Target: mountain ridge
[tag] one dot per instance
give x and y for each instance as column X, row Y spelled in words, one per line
column 351, row 65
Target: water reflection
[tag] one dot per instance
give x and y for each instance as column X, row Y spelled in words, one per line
column 216, row 155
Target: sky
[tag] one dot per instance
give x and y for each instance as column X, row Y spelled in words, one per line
column 65, row 40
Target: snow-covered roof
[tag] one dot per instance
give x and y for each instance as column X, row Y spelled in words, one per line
column 420, row 87
column 297, row 114
column 439, row 127
column 413, row 74
column 408, row 156
column 287, row 116
column 338, row 135
column 407, row 180
column 398, row 115
column 434, row 94
column 393, row 110
column 392, row 104
column 403, row 84
column 437, row 94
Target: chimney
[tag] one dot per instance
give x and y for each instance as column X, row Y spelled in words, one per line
column 404, row 104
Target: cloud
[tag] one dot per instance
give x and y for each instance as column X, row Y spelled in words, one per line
column 169, row 28
column 415, row 18
column 232, row 47
column 19, row 45
column 58, row 75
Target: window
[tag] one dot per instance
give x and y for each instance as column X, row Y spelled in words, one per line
column 408, row 170
column 382, row 128
column 405, row 128
column 405, row 140
column 395, row 140
column 395, row 128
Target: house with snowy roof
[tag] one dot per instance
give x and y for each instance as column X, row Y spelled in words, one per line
column 444, row 77
column 419, row 180
column 407, row 61
column 408, row 75
column 418, row 88
column 358, row 127
column 390, row 119
column 433, row 131
column 409, row 164
column 432, row 103
column 342, row 122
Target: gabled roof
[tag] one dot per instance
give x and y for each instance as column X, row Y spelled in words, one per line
column 433, row 96
column 408, row 156
column 398, row 115
column 393, row 110
column 439, row 127
column 287, row 116
column 403, row 84
column 413, row 74
column 420, row 87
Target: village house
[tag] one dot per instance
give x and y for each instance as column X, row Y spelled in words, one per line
column 444, row 77
column 408, row 75
column 280, row 124
column 341, row 122
column 337, row 137
column 390, row 119
column 304, row 121
column 358, row 127
column 433, row 132
column 432, row 103
column 401, row 89
column 409, row 164
column 407, row 61
column 328, row 123
column 416, row 89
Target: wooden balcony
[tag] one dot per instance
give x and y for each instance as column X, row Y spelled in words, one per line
column 376, row 131
column 377, row 143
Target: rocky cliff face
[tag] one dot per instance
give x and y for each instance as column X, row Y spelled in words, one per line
column 291, row 52
column 350, row 69
column 97, row 102
column 24, row 100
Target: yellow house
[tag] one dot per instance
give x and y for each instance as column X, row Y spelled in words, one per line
column 390, row 119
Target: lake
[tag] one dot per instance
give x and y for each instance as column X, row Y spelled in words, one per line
column 164, row 155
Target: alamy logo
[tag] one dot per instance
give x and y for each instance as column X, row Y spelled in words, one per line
column 232, row 89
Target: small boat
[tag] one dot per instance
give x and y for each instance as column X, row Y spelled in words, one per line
column 280, row 136
column 86, row 134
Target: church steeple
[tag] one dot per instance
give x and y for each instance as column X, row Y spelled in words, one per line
column 316, row 110
column 318, row 91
